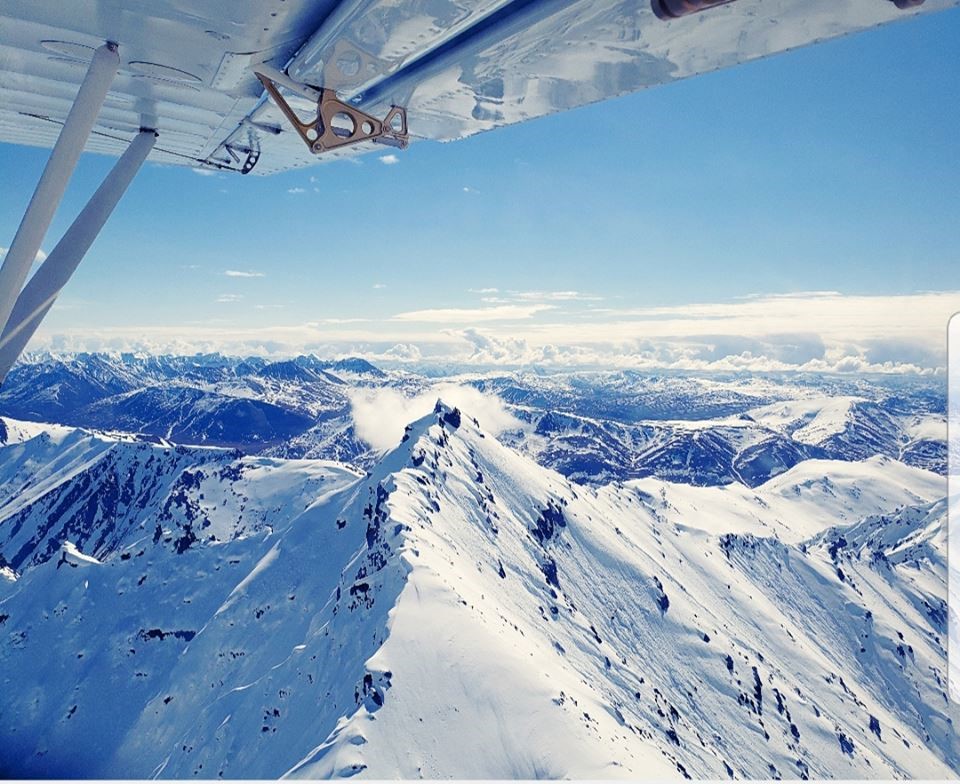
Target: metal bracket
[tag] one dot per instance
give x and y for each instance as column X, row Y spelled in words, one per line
column 337, row 124
column 252, row 151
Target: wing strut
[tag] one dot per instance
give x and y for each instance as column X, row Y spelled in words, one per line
column 39, row 294
column 56, row 175
column 21, row 311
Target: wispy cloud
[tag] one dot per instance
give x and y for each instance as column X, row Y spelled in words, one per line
column 389, row 160
column 231, row 273
column 379, row 285
column 204, row 172
column 534, row 296
column 330, row 321
column 296, row 191
column 553, row 296
column 229, row 298
column 833, row 315
column 472, row 315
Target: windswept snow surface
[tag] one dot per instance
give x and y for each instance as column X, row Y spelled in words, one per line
column 461, row 611
column 800, row 503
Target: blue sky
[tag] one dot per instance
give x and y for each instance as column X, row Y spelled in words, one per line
column 607, row 231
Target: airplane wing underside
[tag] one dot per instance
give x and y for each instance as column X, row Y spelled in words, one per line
column 458, row 67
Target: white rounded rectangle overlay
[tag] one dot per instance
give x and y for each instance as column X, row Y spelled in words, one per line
column 953, row 495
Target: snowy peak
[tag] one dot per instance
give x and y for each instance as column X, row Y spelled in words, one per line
column 910, row 535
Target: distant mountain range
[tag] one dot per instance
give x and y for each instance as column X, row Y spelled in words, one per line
column 592, row 427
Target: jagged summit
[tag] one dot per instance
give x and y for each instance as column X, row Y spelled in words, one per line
column 461, row 611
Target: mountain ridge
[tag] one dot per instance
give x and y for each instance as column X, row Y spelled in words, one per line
column 575, row 631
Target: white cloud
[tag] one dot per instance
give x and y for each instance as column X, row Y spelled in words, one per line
column 470, row 315
column 771, row 355
column 511, row 296
column 230, row 273
column 379, row 285
column 835, row 316
column 404, row 352
column 229, row 298
column 38, row 259
column 380, row 415
column 489, row 349
column 389, row 160
column 296, row 190
column 204, row 172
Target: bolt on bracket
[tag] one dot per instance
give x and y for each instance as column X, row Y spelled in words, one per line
column 337, row 124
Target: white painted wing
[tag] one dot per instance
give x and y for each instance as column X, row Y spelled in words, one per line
column 458, row 66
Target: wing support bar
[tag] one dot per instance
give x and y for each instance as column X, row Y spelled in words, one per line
column 42, row 290
column 53, row 182
column 336, row 124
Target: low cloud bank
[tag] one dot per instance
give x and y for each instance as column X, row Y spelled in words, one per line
column 380, row 415
column 820, row 332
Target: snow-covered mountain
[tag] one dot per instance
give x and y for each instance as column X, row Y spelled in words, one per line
column 99, row 491
column 462, row 611
column 750, row 447
column 207, row 400
column 593, row 427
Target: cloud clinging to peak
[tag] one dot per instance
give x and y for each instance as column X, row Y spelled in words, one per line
column 381, row 414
